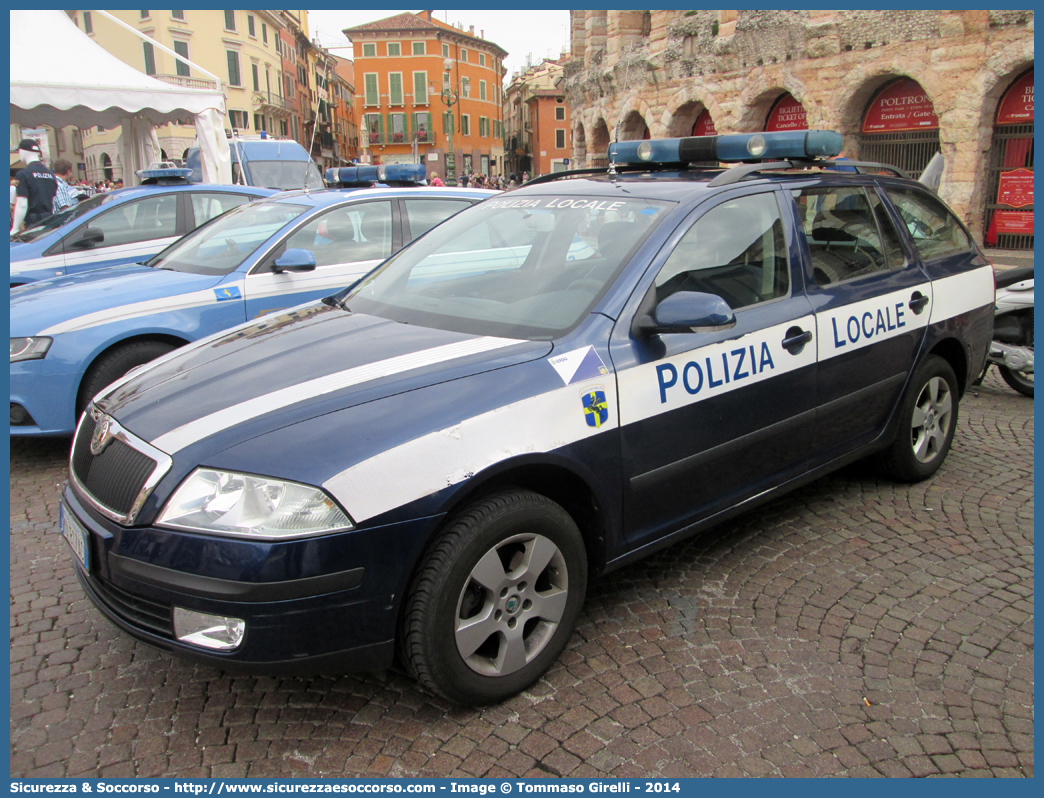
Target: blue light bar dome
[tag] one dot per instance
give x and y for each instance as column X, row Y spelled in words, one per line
column 731, row 148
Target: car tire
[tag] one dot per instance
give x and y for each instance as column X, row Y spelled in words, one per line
column 114, row 364
column 495, row 599
column 927, row 422
column 1018, row 380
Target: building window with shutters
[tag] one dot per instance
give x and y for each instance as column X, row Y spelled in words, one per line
column 264, row 33
column 445, row 51
column 482, row 89
column 177, row 14
column 420, row 88
column 560, row 139
column 418, row 48
column 559, row 113
column 397, row 128
column 463, row 56
column 233, row 68
column 181, row 48
column 394, row 49
column 422, row 128
column 369, row 50
column 230, row 20
column 484, row 127
column 88, row 26
column 465, row 124
column 395, row 96
column 374, row 128
column 150, row 59
column 372, row 97
column 250, row 27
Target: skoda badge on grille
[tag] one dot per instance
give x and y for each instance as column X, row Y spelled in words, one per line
column 101, row 437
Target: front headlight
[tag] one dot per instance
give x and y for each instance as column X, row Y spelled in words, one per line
column 29, row 348
column 241, row 505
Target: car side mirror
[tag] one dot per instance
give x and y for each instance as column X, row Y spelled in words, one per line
column 92, row 236
column 295, row 260
column 685, row 312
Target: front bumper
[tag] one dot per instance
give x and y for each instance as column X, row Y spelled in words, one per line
column 48, row 397
column 337, row 621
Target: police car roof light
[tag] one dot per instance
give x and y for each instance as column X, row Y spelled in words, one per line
column 734, row 147
column 161, row 173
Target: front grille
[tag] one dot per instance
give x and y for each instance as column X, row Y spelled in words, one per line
column 113, row 478
column 153, row 616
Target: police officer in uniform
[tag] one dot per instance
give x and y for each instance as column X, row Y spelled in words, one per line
column 37, row 185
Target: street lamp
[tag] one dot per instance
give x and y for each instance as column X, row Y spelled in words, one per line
column 450, row 93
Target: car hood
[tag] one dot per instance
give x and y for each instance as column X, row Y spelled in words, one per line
column 290, row 367
column 61, row 304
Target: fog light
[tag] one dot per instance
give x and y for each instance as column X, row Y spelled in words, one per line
column 208, row 631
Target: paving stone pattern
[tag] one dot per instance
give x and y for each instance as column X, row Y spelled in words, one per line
column 854, row 628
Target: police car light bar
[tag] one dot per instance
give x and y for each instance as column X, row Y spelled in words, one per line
column 158, row 172
column 383, row 173
column 729, row 148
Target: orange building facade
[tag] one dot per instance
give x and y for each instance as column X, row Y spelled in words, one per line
column 549, row 116
column 411, row 109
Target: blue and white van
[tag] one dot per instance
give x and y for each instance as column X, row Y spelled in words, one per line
column 265, row 162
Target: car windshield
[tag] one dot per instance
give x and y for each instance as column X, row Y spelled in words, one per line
column 52, row 223
column 220, row 246
column 525, row 267
column 284, row 174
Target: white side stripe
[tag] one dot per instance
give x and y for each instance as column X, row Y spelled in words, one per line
column 962, row 293
column 149, row 307
column 200, row 428
column 440, row 459
column 850, row 327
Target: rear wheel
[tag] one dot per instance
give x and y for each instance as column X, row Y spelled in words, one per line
column 927, row 423
column 496, row 599
column 1021, row 381
column 114, row 364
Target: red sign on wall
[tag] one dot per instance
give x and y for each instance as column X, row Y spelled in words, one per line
column 902, row 105
column 788, row 114
column 704, row 125
column 1017, row 223
column 1015, row 188
column 1017, row 106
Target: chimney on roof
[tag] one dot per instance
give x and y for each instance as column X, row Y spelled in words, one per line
column 427, row 15
column 471, row 31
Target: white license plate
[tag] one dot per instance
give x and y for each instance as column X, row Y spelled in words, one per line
column 75, row 535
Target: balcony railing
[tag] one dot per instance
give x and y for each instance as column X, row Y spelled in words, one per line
column 274, row 101
column 187, row 83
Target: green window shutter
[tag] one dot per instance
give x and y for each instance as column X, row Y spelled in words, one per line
column 150, row 59
column 371, row 89
column 233, row 67
column 426, row 118
column 257, row 82
column 420, row 87
column 395, row 88
column 380, row 126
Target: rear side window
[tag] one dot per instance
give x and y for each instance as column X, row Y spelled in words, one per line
column 843, row 235
column 425, row 214
column 206, row 206
column 142, row 220
column 736, row 251
column 349, row 234
column 935, row 231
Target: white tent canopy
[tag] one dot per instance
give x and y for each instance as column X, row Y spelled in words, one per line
column 60, row 77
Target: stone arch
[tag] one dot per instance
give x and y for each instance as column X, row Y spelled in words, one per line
column 690, row 103
column 579, row 145
column 756, row 104
column 598, row 153
column 106, row 165
column 633, row 126
column 682, row 120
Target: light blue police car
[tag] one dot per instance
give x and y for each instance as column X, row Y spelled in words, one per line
column 128, row 225
column 71, row 336
column 432, row 462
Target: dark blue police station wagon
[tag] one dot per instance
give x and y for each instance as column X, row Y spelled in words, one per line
column 433, row 462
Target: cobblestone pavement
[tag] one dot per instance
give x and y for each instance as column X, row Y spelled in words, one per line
column 855, row 628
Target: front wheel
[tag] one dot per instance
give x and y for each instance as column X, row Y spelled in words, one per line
column 496, row 599
column 114, row 364
column 926, row 425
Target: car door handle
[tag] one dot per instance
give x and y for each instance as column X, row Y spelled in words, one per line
column 918, row 301
column 796, row 339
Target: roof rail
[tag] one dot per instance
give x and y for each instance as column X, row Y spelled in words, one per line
column 737, row 173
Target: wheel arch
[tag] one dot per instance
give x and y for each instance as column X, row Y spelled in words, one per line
column 955, row 353
column 151, row 337
column 559, row 480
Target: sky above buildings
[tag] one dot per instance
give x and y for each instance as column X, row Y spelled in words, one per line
column 542, row 32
